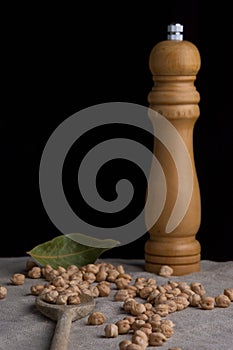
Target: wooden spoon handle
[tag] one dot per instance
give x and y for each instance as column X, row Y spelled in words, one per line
column 62, row 332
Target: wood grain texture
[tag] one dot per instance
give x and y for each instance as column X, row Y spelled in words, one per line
column 174, row 66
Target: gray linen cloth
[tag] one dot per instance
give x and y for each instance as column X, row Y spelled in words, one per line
column 22, row 327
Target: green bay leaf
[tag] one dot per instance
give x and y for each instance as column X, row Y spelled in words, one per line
column 71, row 249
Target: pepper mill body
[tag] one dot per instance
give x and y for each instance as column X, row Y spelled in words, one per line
column 174, row 65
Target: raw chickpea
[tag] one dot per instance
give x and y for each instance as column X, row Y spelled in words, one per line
column 207, row 303
column 175, row 291
column 141, row 280
column 183, row 286
column 161, row 289
column 35, row 272
column 139, row 333
column 152, row 296
column 120, row 269
column 3, row 292
column 140, row 341
column 148, row 306
column 112, row 275
column 166, row 271
column 106, row 283
column 58, row 281
column 155, row 317
column 47, row 289
column 61, row 270
column 184, row 295
column 151, row 282
column 96, row 318
column 61, row 299
column 61, row 289
column 92, row 268
column 94, row 291
column 155, row 326
column 127, row 276
column 122, row 283
column 128, row 303
column 75, row 280
column 18, row 279
column 104, row 290
column 47, row 268
column 89, row 277
column 121, row 295
column 160, row 299
column 149, row 313
column 198, row 288
column 188, row 292
column 145, row 292
column 180, row 306
column 139, row 286
column 181, row 300
column 37, row 289
column 65, row 276
column 137, row 324
column 48, row 275
column 83, row 269
column 111, row 330
column 83, row 285
column 73, row 300
column 146, row 330
column 132, row 291
column 222, row 300
column 124, row 343
column 172, row 306
column 109, row 267
column 73, row 289
column 173, row 284
column 103, row 266
column 131, row 319
column 194, row 299
column 168, row 322
column 143, row 317
column 169, row 296
column 167, row 330
column 147, row 325
column 229, row 293
column 76, row 275
column 50, row 296
column 123, row 326
column 87, row 291
column 167, row 288
column 161, row 309
column 181, row 303
column 157, row 339
column 137, row 309
column 71, row 269
column 101, row 276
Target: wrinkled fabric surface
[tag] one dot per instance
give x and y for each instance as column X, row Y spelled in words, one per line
column 23, row 327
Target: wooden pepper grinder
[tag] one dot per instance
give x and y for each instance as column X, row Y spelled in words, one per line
column 174, row 64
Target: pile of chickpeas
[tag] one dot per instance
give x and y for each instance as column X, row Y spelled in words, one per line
column 146, row 304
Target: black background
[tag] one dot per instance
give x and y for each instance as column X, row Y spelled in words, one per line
column 59, row 60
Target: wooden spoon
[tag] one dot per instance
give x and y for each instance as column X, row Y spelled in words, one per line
column 64, row 315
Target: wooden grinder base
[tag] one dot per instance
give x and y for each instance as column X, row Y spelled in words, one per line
column 181, row 264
